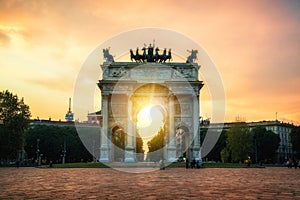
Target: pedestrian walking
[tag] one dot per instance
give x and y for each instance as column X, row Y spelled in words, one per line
column 162, row 164
column 249, row 161
column 17, row 163
column 187, row 163
column 289, row 163
column 193, row 163
column 51, row 164
column 295, row 163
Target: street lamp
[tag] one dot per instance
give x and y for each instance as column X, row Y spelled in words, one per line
column 255, row 150
column 64, row 152
column 38, row 151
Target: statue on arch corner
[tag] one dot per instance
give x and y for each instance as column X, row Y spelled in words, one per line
column 107, row 56
column 191, row 58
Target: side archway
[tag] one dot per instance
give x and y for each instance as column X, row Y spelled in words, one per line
column 183, row 143
column 118, row 139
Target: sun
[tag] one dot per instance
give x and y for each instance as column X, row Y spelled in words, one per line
column 150, row 120
column 144, row 117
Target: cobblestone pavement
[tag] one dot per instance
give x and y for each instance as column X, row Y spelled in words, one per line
column 173, row 183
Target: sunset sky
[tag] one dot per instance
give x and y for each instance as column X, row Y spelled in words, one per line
column 255, row 45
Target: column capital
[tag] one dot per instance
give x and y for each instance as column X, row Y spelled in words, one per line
column 105, row 95
column 171, row 96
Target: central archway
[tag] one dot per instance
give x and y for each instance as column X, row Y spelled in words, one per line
column 150, row 121
column 151, row 100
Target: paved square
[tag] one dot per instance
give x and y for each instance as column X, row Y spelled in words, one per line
column 174, row 183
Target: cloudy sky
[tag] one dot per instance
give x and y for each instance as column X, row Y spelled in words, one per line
column 254, row 44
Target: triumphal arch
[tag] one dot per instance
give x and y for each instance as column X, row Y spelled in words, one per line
column 151, row 78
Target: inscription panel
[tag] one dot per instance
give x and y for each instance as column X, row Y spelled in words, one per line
column 150, row 74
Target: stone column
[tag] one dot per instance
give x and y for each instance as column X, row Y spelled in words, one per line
column 130, row 145
column 196, row 129
column 104, row 147
column 171, row 151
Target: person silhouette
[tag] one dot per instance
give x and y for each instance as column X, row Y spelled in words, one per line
column 150, row 53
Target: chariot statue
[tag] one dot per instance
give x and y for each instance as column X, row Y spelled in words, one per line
column 149, row 55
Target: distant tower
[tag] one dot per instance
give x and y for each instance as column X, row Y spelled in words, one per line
column 69, row 116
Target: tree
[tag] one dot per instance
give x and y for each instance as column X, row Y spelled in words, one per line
column 295, row 139
column 156, row 145
column 51, row 143
column 139, row 147
column 14, row 120
column 266, row 143
column 225, row 153
column 240, row 140
column 214, row 154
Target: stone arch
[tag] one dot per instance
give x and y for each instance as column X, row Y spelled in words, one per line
column 124, row 96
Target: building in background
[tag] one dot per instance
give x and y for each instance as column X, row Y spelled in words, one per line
column 95, row 118
column 283, row 129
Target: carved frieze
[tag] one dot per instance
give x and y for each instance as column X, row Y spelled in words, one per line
column 117, row 72
column 183, row 73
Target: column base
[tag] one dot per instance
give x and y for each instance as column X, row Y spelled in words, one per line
column 104, row 155
column 129, row 156
column 196, row 155
column 171, row 154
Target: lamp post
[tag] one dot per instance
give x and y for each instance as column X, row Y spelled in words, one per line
column 93, row 147
column 64, row 152
column 256, row 151
column 38, row 151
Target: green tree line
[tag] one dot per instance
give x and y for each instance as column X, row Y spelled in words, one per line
column 51, row 141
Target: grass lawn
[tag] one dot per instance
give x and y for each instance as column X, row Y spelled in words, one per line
column 224, row 165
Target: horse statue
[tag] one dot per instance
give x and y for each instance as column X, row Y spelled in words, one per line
column 163, row 56
column 151, row 56
column 156, row 56
column 169, row 56
column 137, row 57
column 191, row 58
column 107, row 56
column 132, row 56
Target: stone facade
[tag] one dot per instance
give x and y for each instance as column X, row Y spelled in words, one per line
column 127, row 87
